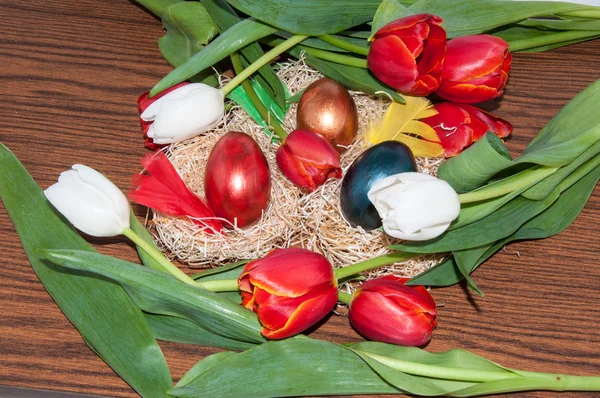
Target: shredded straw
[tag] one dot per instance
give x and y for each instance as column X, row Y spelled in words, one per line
column 293, row 218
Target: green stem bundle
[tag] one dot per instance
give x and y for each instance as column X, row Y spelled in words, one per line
column 267, row 57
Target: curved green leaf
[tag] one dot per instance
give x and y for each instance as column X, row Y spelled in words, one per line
column 121, row 336
column 159, row 293
column 471, row 17
column 309, row 17
column 240, row 35
column 291, row 367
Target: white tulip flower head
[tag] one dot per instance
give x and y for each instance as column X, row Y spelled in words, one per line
column 184, row 113
column 414, row 206
column 90, row 201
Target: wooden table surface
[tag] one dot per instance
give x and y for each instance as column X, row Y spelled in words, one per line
column 71, row 72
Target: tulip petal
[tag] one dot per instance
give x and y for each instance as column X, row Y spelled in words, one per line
column 466, row 93
column 312, row 149
column 272, row 272
column 85, row 206
column 468, row 57
column 294, row 169
column 400, row 71
column 184, row 113
column 311, row 311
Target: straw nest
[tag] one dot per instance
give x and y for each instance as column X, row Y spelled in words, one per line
column 293, row 218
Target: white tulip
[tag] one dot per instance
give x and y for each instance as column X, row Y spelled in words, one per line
column 90, row 201
column 184, row 113
column 414, row 206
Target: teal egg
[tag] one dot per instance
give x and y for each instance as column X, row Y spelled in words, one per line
column 382, row 160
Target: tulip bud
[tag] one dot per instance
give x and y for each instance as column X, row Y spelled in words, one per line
column 289, row 289
column 308, row 160
column 90, row 202
column 414, row 206
column 386, row 310
column 407, row 54
column 459, row 125
column 182, row 113
column 475, row 69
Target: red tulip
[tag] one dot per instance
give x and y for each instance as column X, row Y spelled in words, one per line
column 237, row 181
column 144, row 102
column 475, row 69
column 386, row 310
column 289, row 289
column 407, row 54
column 459, row 125
column 308, row 160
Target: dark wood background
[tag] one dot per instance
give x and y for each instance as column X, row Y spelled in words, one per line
column 71, row 72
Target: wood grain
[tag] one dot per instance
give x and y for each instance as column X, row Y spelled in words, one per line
column 71, row 73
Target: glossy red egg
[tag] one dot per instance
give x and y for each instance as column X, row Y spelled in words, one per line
column 237, row 181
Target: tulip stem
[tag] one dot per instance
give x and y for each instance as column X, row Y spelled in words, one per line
column 387, row 259
column 526, row 178
column 344, row 45
column 263, row 60
column 344, row 297
column 498, row 381
column 335, row 57
column 264, row 112
column 560, row 37
column 227, row 285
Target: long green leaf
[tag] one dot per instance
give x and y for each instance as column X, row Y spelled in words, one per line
column 159, row 293
column 171, row 328
column 471, row 17
column 240, row 35
column 291, row 367
column 498, row 225
column 552, row 221
column 101, row 311
column 225, row 17
column 310, row 17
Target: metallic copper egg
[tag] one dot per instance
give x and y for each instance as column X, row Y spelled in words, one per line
column 327, row 108
column 237, row 181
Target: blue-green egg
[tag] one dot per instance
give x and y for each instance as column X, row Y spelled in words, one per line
column 382, row 160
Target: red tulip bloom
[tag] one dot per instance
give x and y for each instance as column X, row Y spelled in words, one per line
column 289, row 289
column 144, row 102
column 475, row 69
column 407, row 54
column 308, row 160
column 459, row 125
column 386, row 310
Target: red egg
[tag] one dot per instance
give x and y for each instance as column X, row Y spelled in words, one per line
column 237, row 181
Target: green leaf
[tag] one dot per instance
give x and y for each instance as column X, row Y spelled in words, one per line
column 101, row 311
column 498, row 225
column 159, row 293
column 351, row 77
column 203, row 366
column 388, row 11
column 171, row 328
column 544, row 187
column 290, row 367
column 471, row 17
column 157, row 7
column 447, row 371
column 309, row 17
column 189, row 28
column 225, row 17
column 571, row 132
column 550, row 222
column 477, row 164
column 240, row 35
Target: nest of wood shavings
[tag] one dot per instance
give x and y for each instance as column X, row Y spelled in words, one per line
column 293, row 217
